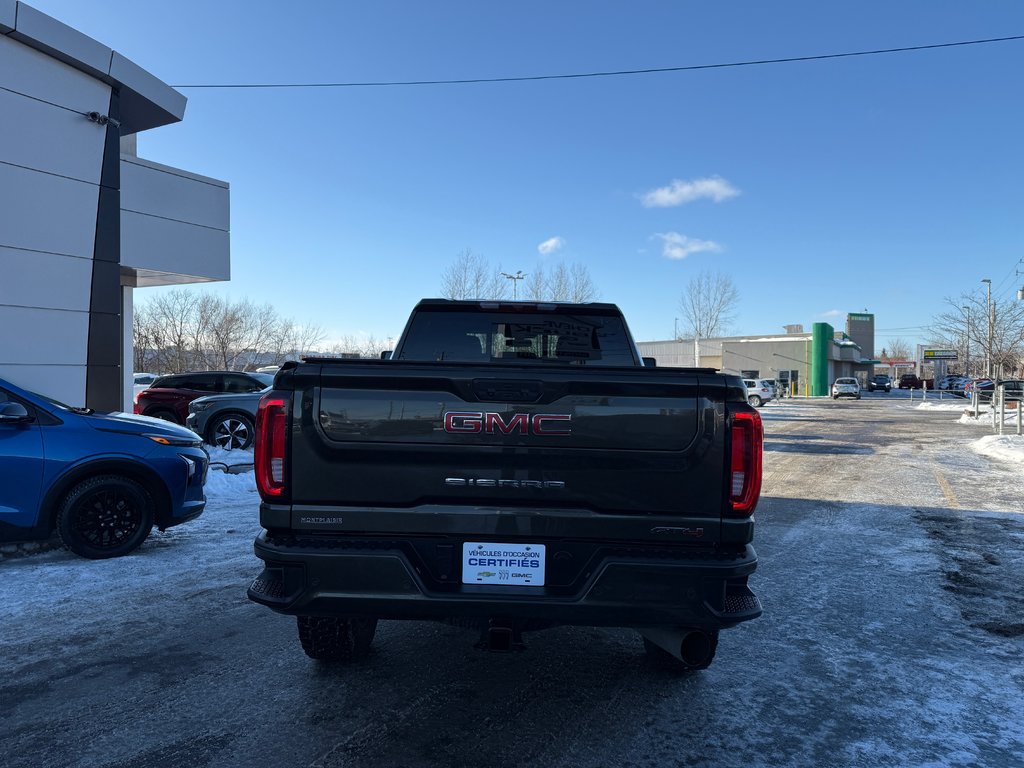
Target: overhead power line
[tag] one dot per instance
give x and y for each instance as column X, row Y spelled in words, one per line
column 612, row 73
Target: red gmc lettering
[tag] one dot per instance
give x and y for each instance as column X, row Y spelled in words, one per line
column 476, row 422
column 551, row 424
column 494, row 423
column 462, row 421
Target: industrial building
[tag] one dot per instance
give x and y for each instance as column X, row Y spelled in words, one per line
column 84, row 221
column 805, row 363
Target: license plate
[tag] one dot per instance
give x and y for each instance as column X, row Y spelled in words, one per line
column 494, row 563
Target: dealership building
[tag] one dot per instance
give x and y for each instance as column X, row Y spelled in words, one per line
column 84, row 221
column 805, row 363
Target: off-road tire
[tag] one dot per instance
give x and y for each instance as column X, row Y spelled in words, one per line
column 105, row 516
column 754, row 400
column 336, row 638
column 661, row 659
column 231, row 431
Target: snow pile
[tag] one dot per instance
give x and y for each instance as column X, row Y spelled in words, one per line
column 221, row 486
column 941, row 405
column 224, row 486
column 985, row 417
column 1005, row 447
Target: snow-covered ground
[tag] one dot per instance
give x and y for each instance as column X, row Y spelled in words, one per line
column 890, row 573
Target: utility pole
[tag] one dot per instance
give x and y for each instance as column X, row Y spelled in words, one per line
column 988, row 347
column 515, row 282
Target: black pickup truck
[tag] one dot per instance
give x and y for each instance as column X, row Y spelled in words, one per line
column 509, row 467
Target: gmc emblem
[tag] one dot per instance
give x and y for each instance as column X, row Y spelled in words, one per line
column 479, row 422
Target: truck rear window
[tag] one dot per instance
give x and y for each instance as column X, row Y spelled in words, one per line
column 470, row 337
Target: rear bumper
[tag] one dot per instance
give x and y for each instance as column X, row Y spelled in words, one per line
column 627, row 587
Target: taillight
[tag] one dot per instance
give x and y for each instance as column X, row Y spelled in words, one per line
column 271, row 443
column 747, row 436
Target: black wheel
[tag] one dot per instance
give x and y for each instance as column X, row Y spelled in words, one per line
column 231, row 431
column 105, row 516
column 754, row 400
column 165, row 414
column 662, row 659
column 336, row 638
column 835, row 397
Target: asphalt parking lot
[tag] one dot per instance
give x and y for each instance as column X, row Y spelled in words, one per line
column 890, row 571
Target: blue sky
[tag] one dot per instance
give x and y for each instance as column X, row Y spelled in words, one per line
column 885, row 183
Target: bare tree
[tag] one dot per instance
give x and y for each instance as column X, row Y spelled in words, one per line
column 896, row 349
column 369, row 346
column 581, row 287
column 471, row 276
column 563, row 283
column 967, row 321
column 536, row 284
column 558, row 284
column 708, row 305
column 181, row 330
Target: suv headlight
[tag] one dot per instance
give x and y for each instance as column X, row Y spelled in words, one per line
column 193, row 407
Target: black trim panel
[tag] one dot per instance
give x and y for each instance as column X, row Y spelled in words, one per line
column 103, row 381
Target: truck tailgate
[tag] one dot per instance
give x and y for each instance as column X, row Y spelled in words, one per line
column 600, row 440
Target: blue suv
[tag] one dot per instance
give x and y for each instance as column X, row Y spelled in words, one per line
column 102, row 480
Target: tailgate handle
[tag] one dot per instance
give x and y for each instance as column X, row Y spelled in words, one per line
column 502, row 390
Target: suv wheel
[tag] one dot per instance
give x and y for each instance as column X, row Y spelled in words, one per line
column 336, row 638
column 105, row 516
column 754, row 400
column 231, row 431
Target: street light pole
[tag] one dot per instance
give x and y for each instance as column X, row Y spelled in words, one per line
column 967, row 343
column 515, row 282
column 988, row 347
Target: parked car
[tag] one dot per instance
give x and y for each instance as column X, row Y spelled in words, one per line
column 1013, row 389
column 169, row 396
column 846, row 386
column 141, row 382
column 101, row 480
column 909, row 381
column 983, row 386
column 226, row 421
column 758, row 391
column 879, row 381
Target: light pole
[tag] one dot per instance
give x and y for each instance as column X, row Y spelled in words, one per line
column 967, row 343
column 515, row 282
column 988, row 346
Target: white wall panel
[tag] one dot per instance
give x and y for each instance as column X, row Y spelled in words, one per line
column 148, row 187
column 31, row 279
column 161, row 245
column 47, row 213
column 30, row 71
column 61, row 382
column 62, row 41
column 46, row 138
column 8, row 13
column 41, row 336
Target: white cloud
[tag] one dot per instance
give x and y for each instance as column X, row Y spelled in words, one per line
column 551, row 245
column 681, row 191
column 832, row 313
column 677, row 246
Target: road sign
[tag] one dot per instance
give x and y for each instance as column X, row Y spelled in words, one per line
column 940, row 354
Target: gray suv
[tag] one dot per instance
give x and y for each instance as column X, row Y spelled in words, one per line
column 228, row 420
